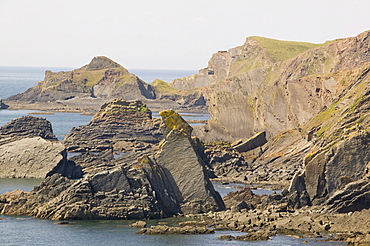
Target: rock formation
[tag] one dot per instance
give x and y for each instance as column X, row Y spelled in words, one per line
column 102, row 78
column 3, row 105
column 270, row 85
column 26, row 126
column 88, row 87
column 340, row 144
column 172, row 181
column 196, row 194
column 35, row 158
column 29, row 149
column 117, row 124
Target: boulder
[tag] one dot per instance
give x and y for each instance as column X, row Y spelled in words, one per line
column 35, row 158
column 254, row 142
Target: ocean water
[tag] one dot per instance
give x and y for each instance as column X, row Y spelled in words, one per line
column 24, row 230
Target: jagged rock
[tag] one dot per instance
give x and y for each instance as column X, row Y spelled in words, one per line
column 224, row 161
column 177, row 157
column 3, row 105
column 35, row 158
column 26, row 127
column 101, row 78
column 117, row 121
column 171, row 182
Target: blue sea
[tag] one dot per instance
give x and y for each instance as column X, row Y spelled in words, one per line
column 23, row 230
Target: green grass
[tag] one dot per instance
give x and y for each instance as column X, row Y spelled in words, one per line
column 280, row 50
column 161, row 86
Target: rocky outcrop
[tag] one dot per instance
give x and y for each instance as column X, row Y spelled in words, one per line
column 340, row 143
column 117, row 124
column 171, row 182
column 29, row 149
column 197, row 194
column 270, row 85
column 3, row 105
column 26, row 127
column 35, row 158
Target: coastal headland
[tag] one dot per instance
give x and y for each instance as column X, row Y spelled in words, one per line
column 288, row 115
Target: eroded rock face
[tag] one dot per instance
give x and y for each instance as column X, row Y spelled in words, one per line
column 270, row 85
column 117, row 121
column 26, row 127
column 35, row 158
column 179, row 160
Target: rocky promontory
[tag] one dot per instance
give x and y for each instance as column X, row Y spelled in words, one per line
column 85, row 89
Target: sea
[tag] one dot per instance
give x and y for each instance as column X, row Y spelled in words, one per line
column 25, row 230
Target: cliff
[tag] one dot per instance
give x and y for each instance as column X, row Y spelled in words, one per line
column 271, row 85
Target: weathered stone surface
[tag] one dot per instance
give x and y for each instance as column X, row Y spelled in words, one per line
column 254, row 142
column 26, row 127
column 242, row 199
column 177, row 157
column 117, row 121
column 355, row 196
column 35, row 158
column 271, row 85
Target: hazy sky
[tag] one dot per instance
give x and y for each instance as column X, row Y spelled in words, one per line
column 163, row 34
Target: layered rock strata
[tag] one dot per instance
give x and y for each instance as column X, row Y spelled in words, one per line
column 29, row 149
column 170, row 182
column 271, row 85
column 115, row 126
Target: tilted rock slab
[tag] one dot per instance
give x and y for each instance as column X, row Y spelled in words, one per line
column 35, row 158
column 184, row 168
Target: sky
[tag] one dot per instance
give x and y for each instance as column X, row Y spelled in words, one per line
column 163, row 34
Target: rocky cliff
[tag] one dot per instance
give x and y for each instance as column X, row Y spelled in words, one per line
column 271, row 85
column 169, row 182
